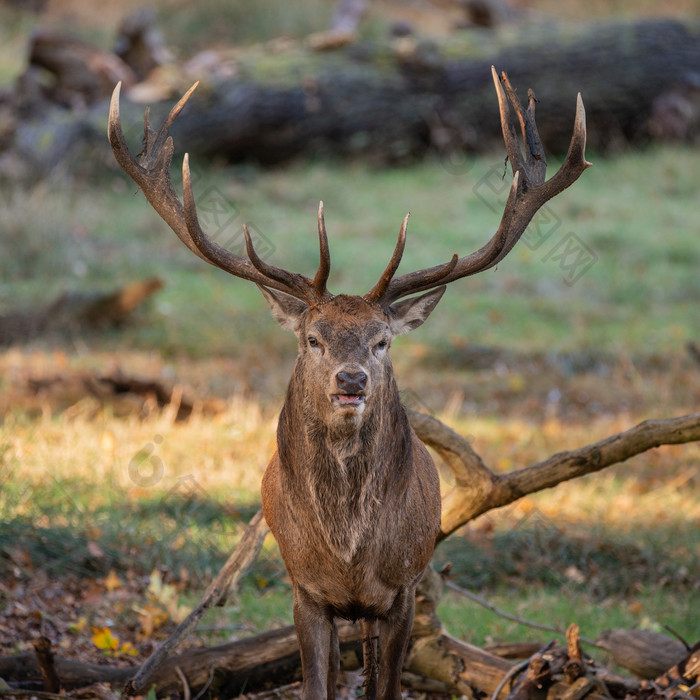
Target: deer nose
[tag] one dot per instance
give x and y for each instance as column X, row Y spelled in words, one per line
column 351, row 382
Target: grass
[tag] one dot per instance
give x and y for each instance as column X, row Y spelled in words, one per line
column 89, row 487
column 87, row 492
column 637, row 283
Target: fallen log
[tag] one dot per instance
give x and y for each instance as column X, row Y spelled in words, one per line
column 646, row 653
column 74, row 312
column 403, row 99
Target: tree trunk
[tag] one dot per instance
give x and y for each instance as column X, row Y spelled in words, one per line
column 403, row 100
column 397, row 101
column 75, row 312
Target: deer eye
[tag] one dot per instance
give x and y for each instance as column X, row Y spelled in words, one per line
column 313, row 343
column 382, row 345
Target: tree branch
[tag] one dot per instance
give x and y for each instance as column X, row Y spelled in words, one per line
column 216, row 594
column 502, row 613
column 478, row 489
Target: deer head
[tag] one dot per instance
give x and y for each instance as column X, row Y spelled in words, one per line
column 305, row 306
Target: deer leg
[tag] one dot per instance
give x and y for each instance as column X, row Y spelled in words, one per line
column 314, row 627
column 394, row 634
column 369, row 658
column 333, row 663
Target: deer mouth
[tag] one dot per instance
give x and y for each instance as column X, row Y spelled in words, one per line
column 348, row 400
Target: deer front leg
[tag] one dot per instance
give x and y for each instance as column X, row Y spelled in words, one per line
column 394, row 634
column 318, row 645
column 333, row 662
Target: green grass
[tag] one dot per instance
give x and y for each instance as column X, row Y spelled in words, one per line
column 65, row 479
column 559, row 607
column 641, row 293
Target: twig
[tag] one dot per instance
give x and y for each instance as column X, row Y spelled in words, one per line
column 502, row 613
column 510, row 675
column 276, row 692
column 678, row 636
column 205, row 687
column 185, row 685
column 237, row 564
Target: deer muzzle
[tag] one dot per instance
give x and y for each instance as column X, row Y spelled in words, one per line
column 352, row 388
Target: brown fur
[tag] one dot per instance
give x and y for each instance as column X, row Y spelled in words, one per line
column 353, row 500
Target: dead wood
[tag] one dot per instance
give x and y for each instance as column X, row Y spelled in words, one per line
column 216, row 594
column 574, row 668
column 87, row 392
column 387, row 101
column 513, row 650
column 44, row 657
column 535, row 682
column 646, row 653
column 563, row 673
column 478, row 489
column 687, row 672
column 74, row 312
column 270, row 660
column 81, row 74
column 140, row 43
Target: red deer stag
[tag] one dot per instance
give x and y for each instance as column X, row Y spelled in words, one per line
column 351, row 494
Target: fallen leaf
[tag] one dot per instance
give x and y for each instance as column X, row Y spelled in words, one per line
column 104, row 640
column 112, row 582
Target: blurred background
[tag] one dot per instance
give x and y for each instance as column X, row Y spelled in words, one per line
column 139, row 387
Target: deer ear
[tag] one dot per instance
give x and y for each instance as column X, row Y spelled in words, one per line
column 287, row 310
column 410, row 313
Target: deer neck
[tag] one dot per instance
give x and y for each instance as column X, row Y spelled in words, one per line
column 379, row 441
column 327, row 467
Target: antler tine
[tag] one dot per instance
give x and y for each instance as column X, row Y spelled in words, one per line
column 377, row 292
column 158, row 138
column 534, row 164
column 152, row 175
column 431, row 277
column 528, row 192
column 163, row 200
column 324, row 265
column 293, row 283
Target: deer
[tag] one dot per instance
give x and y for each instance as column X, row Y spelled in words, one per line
column 351, row 494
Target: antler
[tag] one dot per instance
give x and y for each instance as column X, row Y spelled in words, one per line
column 528, row 192
column 152, row 175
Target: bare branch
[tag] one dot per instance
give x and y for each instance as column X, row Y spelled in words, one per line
column 237, row 564
column 478, row 489
column 507, row 616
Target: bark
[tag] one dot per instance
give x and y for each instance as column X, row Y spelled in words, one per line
column 477, row 489
column 75, row 312
column 647, row 654
column 402, row 100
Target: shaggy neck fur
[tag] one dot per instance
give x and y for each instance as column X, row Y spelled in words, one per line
column 345, row 467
